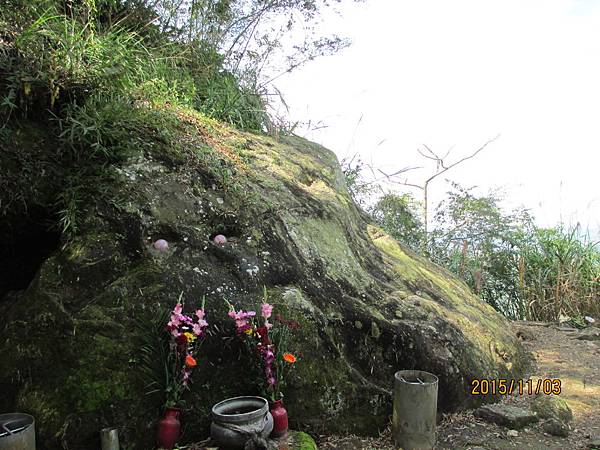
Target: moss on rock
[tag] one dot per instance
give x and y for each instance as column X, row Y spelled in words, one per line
column 299, row 441
column 552, row 407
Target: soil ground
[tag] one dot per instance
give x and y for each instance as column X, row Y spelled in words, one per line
column 559, row 355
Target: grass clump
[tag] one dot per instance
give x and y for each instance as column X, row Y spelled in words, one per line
column 560, row 275
column 54, row 61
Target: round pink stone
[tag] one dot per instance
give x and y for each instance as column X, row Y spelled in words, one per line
column 219, row 239
column 161, row 245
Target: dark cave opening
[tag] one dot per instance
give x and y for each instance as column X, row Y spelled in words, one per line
column 26, row 242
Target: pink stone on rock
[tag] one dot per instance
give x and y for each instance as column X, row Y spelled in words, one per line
column 161, row 245
column 219, row 239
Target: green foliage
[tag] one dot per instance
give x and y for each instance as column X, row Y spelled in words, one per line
column 152, row 359
column 223, row 98
column 398, row 215
column 249, row 33
column 475, row 239
column 26, row 153
column 521, row 270
column 358, row 187
column 107, row 128
column 55, row 60
column 577, row 322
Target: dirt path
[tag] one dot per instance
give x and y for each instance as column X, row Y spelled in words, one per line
column 559, row 355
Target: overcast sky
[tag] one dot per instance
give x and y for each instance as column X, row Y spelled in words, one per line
column 456, row 73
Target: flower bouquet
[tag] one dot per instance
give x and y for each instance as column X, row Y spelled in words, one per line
column 185, row 333
column 267, row 343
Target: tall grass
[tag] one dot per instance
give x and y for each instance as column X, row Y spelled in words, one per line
column 559, row 275
column 54, row 60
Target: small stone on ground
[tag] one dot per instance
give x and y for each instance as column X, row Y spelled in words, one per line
column 556, row 428
column 589, row 334
column 506, row 415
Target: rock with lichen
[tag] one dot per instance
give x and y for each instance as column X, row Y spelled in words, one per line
column 365, row 305
column 552, row 407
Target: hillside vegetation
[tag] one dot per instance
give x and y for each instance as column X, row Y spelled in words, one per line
column 522, row 270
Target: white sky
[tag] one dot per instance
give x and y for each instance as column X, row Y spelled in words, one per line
column 456, row 73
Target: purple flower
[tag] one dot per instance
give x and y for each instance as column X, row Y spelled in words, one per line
column 269, row 356
column 186, row 376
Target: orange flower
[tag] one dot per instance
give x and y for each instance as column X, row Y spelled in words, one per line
column 288, row 357
column 190, row 361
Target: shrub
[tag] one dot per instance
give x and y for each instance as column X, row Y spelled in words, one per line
column 398, row 215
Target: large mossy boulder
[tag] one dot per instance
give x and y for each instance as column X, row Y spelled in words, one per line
column 366, row 306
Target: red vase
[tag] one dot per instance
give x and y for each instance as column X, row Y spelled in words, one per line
column 280, row 419
column 168, row 429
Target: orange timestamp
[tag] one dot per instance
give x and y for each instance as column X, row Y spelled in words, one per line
column 547, row 386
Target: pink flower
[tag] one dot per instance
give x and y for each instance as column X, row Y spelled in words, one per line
column 241, row 315
column 186, row 376
column 198, row 328
column 200, row 314
column 266, row 310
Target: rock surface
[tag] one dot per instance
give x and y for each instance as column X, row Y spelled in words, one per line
column 556, row 427
column 594, row 442
column 366, row 306
column 506, row 415
column 589, row 334
column 552, row 406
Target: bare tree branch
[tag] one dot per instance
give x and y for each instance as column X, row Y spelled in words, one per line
column 472, row 155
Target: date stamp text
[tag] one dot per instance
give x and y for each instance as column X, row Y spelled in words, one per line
column 546, row 386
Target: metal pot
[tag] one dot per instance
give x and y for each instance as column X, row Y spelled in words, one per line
column 239, row 420
column 17, row 431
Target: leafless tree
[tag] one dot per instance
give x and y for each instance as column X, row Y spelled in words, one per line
column 442, row 166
